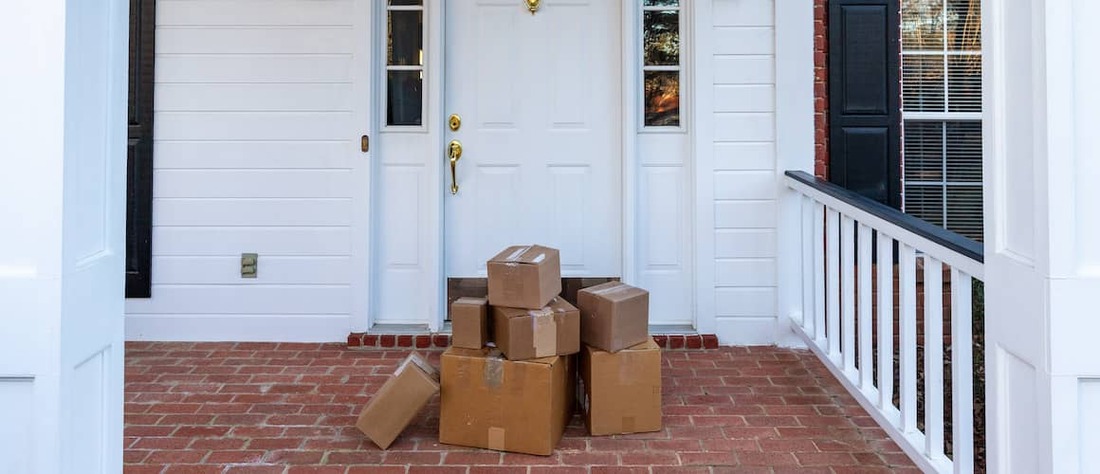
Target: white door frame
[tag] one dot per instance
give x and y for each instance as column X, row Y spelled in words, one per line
column 434, row 122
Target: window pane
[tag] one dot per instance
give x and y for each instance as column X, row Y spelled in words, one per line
column 661, row 39
column 922, row 25
column 925, row 202
column 406, row 2
column 661, row 3
column 964, row 151
column 964, row 211
column 964, row 83
column 923, row 151
column 404, row 97
column 922, row 83
column 662, row 98
column 406, row 39
column 964, row 25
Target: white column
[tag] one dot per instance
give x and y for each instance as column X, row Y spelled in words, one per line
column 1042, row 257
column 62, row 220
column 794, row 122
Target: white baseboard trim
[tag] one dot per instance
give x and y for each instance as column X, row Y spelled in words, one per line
column 745, row 331
column 236, row 327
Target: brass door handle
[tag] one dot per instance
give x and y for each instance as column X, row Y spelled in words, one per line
column 454, row 153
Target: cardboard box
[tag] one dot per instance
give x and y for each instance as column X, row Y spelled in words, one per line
column 621, row 392
column 490, row 402
column 470, row 322
column 399, row 400
column 524, row 276
column 614, row 316
column 530, row 333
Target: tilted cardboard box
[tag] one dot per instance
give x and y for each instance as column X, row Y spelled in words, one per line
column 397, row 402
column 524, row 276
column 614, row 316
column 487, row 401
column 529, row 333
column 621, row 392
column 470, row 322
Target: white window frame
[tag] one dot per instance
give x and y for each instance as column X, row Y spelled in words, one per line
column 387, row 67
column 681, row 67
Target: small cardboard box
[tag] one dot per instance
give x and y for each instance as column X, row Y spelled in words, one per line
column 470, row 322
column 530, row 333
column 490, row 402
column 614, row 316
column 621, row 392
column 524, row 276
column 399, row 400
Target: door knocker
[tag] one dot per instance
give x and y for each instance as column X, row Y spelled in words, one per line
column 533, row 5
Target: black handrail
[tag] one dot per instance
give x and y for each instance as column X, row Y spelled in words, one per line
column 946, row 238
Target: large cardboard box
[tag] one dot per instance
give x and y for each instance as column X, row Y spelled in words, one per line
column 488, row 401
column 621, row 392
column 399, row 400
column 614, row 316
column 530, row 333
column 524, row 276
column 470, row 322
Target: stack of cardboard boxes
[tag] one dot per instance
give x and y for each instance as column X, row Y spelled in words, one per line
column 509, row 381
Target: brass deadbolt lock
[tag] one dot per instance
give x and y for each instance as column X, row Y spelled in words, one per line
column 455, row 122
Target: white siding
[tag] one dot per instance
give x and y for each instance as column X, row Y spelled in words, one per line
column 744, row 170
column 255, row 145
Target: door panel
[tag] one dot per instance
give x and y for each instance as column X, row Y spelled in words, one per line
column 93, row 236
column 540, row 105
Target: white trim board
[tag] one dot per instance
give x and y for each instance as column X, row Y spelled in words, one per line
column 236, row 327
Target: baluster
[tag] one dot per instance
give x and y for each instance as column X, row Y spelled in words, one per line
column 808, row 228
column 908, row 338
column 848, row 295
column 833, row 280
column 933, row 357
column 819, row 273
column 886, row 322
column 866, row 372
column 962, row 373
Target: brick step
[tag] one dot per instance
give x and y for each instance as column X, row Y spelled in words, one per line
column 441, row 341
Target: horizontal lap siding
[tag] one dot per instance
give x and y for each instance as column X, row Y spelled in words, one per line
column 744, row 161
column 253, row 150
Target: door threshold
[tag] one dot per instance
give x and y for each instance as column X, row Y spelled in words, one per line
column 677, row 329
column 399, row 329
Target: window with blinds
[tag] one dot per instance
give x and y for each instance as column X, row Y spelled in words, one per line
column 941, row 64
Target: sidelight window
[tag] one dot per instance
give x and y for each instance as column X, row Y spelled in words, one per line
column 661, row 63
column 405, row 62
column 941, row 113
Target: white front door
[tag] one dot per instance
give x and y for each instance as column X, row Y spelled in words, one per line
column 539, row 100
column 61, row 252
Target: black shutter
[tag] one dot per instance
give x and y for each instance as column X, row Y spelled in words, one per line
column 139, row 175
column 864, row 91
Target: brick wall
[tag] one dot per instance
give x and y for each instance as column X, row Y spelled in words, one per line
column 821, row 95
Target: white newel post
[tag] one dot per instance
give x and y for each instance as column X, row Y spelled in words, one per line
column 62, row 237
column 794, row 122
column 1042, row 254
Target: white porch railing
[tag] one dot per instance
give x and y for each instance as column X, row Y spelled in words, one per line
column 845, row 311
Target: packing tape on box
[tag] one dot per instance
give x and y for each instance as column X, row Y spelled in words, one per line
column 514, row 256
column 496, row 439
column 430, row 371
column 545, row 332
column 401, row 367
column 611, row 289
column 494, row 370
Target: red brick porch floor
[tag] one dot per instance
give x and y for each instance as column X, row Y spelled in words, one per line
column 290, row 408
